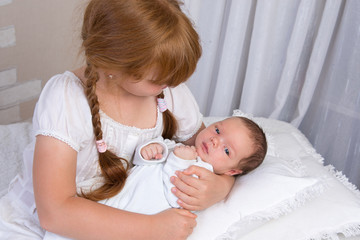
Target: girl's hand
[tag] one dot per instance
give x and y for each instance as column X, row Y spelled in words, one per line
column 173, row 223
column 199, row 193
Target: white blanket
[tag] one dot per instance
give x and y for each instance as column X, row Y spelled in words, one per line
column 291, row 196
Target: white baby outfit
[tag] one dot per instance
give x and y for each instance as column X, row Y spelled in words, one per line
column 148, row 187
column 148, row 190
column 63, row 112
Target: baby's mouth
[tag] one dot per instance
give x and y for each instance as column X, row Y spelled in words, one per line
column 205, row 148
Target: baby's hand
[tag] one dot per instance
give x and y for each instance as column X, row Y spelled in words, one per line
column 185, row 152
column 152, row 151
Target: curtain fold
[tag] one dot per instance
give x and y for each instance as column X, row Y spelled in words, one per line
column 318, row 54
column 232, row 52
column 209, row 23
column 296, row 61
column 302, row 34
column 332, row 122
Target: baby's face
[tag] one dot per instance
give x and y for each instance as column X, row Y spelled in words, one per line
column 223, row 144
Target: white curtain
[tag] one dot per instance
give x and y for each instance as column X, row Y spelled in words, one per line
column 292, row 60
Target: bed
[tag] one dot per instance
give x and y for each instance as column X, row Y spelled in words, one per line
column 291, row 196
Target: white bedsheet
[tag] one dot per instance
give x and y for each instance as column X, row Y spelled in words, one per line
column 292, row 223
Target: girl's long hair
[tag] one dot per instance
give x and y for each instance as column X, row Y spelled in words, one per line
column 133, row 36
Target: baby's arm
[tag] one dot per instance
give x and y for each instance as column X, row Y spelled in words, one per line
column 185, row 152
column 181, row 158
column 152, row 151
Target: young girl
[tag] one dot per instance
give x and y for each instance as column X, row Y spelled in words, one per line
column 88, row 122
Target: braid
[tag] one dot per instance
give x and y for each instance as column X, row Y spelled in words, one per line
column 170, row 123
column 113, row 168
column 92, row 78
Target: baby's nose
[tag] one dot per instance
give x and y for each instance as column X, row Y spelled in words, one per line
column 215, row 141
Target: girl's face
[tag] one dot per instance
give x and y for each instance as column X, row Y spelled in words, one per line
column 223, row 144
column 143, row 87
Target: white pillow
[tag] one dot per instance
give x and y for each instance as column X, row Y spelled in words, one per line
column 273, row 189
column 334, row 213
column 278, row 186
column 313, row 202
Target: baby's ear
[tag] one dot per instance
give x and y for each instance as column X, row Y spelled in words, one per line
column 233, row 172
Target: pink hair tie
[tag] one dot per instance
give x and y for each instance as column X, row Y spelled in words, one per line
column 101, row 146
column 162, row 104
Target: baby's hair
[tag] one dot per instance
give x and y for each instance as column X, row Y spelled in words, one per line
column 258, row 137
column 134, row 36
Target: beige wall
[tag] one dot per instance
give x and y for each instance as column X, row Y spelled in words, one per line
column 37, row 40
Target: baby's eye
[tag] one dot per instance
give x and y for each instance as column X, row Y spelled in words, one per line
column 217, row 130
column 227, row 151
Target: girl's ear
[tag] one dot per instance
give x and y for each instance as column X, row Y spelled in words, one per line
column 233, row 172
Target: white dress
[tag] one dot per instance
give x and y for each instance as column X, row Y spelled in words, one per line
column 148, row 190
column 148, row 187
column 62, row 112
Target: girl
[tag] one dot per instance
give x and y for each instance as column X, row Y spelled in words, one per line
column 88, row 122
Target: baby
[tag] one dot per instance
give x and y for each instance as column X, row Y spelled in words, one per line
column 234, row 146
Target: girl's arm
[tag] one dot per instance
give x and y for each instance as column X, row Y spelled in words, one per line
column 197, row 194
column 62, row 212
